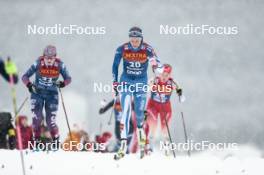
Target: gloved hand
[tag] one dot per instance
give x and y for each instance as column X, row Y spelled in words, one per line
column 145, row 115
column 60, row 84
column 115, row 87
column 31, row 88
column 179, row 91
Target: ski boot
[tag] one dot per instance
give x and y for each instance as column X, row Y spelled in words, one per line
column 122, row 150
column 148, row 149
column 55, row 145
column 35, row 145
column 141, row 141
column 166, row 148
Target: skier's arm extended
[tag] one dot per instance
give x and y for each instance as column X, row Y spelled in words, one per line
column 153, row 59
column 29, row 73
column 117, row 59
column 177, row 88
column 65, row 74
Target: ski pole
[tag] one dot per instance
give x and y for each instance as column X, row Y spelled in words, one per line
column 13, row 93
column 21, row 106
column 101, row 128
column 168, row 129
column 183, row 121
column 18, row 132
column 65, row 113
column 185, row 132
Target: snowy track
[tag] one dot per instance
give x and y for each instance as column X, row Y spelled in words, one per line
column 84, row 163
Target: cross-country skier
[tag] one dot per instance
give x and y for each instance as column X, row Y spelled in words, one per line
column 159, row 105
column 136, row 56
column 44, row 90
column 8, row 70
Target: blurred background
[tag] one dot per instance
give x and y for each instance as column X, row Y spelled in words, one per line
column 221, row 75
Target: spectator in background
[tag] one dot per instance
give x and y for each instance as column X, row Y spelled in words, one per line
column 77, row 136
column 8, row 70
column 105, row 139
column 7, row 131
column 26, row 131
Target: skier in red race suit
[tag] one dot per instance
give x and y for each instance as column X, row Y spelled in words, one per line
column 159, row 104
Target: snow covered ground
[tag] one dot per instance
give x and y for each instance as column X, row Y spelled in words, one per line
column 245, row 161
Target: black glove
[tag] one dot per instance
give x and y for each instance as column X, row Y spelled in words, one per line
column 31, row 87
column 179, row 91
column 145, row 115
column 115, row 86
column 60, row 84
column 101, row 110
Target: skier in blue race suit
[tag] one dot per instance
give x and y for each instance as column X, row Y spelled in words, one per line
column 136, row 56
column 44, row 90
